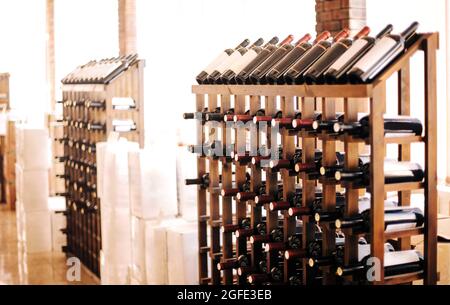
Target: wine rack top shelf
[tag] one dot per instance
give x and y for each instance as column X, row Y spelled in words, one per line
column 331, row 91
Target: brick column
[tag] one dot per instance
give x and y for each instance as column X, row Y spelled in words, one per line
column 127, row 27
column 334, row 15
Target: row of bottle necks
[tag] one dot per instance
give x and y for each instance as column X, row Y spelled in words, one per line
column 99, row 105
column 393, row 125
column 76, row 125
column 343, row 59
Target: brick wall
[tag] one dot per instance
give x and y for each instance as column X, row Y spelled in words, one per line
column 333, row 15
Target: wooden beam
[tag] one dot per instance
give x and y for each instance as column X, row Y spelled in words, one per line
column 127, row 27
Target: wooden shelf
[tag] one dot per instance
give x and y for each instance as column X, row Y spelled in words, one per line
column 398, row 187
column 403, row 279
column 404, row 233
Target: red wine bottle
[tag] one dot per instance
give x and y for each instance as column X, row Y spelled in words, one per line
column 237, row 66
column 285, row 123
column 244, row 76
column 395, row 219
column 315, row 74
column 258, row 76
column 234, row 263
column 295, row 74
column 393, row 126
column 394, row 172
column 337, row 73
column 381, row 55
column 231, row 228
column 275, row 75
column 395, row 264
column 203, row 76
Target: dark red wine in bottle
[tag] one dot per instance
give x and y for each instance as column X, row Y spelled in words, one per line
column 237, row 66
column 337, row 73
column 393, row 126
column 258, row 76
column 269, row 48
column 294, row 75
column 203, row 76
column 275, row 75
column 315, row 74
column 381, row 55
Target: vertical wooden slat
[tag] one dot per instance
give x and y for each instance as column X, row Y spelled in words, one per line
column 351, row 195
column 201, row 198
column 227, row 211
column 288, row 143
column 404, row 150
column 430, row 245
column 377, row 108
column 309, row 186
column 214, row 210
column 241, row 207
column 329, row 187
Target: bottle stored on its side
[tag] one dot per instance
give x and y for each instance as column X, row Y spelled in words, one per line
column 315, row 73
column 294, row 75
column 238, row 65
column 269, row 48
column 396, row 219
column 258, row 76
column 393, row 126
column 275, row 75
column 337, row 73
column 395, row 264
column 394, row 172
column 203, row 76
column 381, row 55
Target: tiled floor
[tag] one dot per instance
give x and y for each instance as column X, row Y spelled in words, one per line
column 19, row 268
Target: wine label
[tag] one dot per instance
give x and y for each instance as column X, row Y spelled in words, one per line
column 365, row 204
column 400, row 258
column 216, row 62
column 384, row 46
column 400, row 169
column 123, row 103
column 226, row 64
column 357, row 46
column 237, row 66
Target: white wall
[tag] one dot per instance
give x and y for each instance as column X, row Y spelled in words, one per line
column 431, row 16
column 22, row 54
column 84, row 30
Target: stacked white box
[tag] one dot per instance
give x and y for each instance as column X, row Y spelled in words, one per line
column 113, row 182
column 57, row 206
column 32, row 185
column 182, row 244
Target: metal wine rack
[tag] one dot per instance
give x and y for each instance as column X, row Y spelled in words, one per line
column 98, row 98
column 216, row 247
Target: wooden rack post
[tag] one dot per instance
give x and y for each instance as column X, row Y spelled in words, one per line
column 354, row 97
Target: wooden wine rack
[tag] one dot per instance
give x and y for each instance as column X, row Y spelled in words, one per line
column 308, row 99
column 79, row 89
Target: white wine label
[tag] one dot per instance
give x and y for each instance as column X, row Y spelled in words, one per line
column 243, row 62
column 400, row 216
column 357, row 46
column 226, row 64
column 216, row 62
column 400, row 258
column 123, row 103
column 380, row 49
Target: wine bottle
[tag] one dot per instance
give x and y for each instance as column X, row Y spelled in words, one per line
column 289, row 164
column 234, row 191
column 231, row 228
column 258, row 119
column 269, row 48
column 95, row 104
column 394, row 172
column 203, row 116
column 240, row 64
column 293, row 201
column 203, row 181
column 395, row 264
column 275, row 75
column 294, row 75
column 285, row 123
column 220, row 117
column 393, row 126
column 245, row 118
column 258, row 76
column 327, row 125
column 337, row 73
column 316, row 207
column 313, row 249
column 234, row 263
column 203, row 76
column 330, row 171
column 315, row 73
column 381, row 55
column 395, row 219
